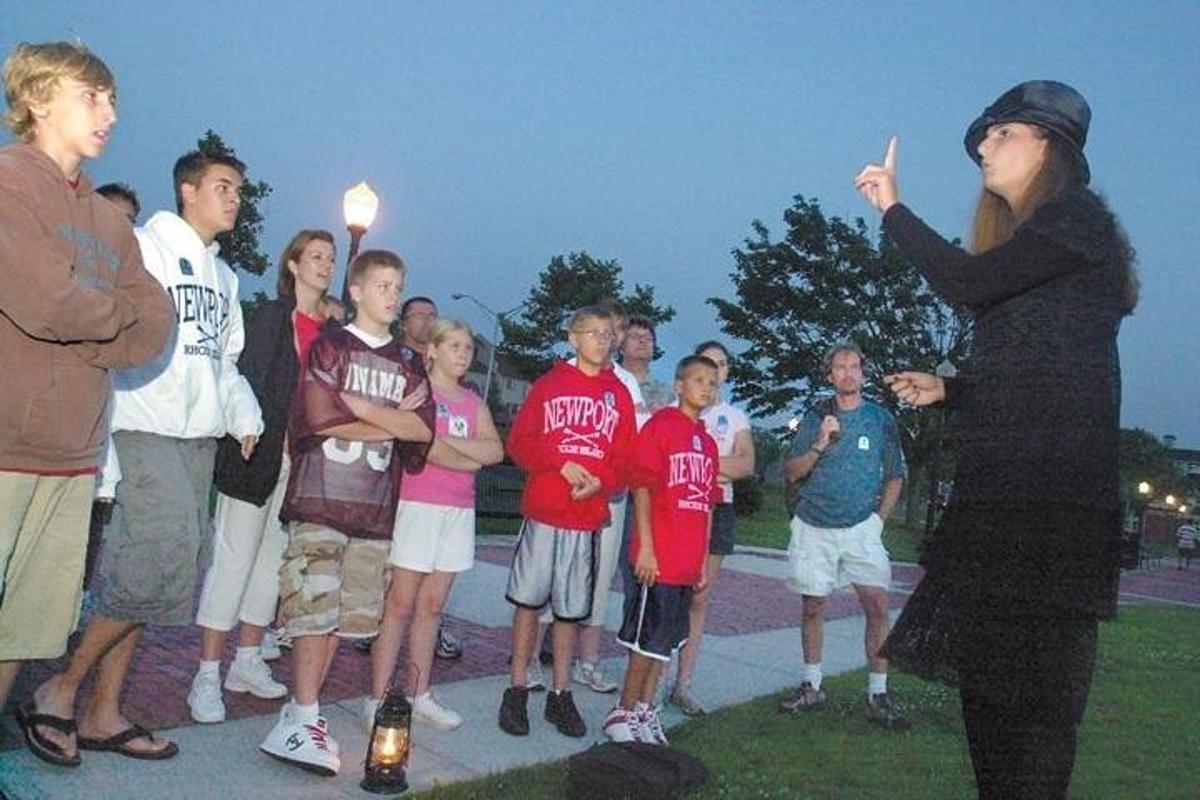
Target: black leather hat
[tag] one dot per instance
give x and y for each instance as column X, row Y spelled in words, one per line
column 1048, row 104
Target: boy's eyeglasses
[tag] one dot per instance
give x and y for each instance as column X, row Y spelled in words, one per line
column 597, row 335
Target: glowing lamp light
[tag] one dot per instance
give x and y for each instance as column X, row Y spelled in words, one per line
column 1169, row 499
column 1183, row 509
column 386, row 765
column 1143, row 488
column 359, row 205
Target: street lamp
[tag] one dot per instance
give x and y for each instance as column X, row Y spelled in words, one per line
column 359, row 206
column 497, row 319
column 1144, row 488
column 1169, row 499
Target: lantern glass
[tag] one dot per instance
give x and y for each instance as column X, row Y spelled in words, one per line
column 359, row 206
column 389, row 746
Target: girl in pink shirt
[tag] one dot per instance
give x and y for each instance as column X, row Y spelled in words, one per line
column 434, row 534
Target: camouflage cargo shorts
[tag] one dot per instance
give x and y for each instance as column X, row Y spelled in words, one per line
column 331, row 582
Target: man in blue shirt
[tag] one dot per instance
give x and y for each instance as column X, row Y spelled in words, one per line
column 847, row 459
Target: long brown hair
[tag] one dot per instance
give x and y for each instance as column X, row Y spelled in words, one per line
column 996, row 221
column 286, row 286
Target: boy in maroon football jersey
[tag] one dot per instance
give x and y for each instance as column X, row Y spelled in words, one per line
column 361, row 416
column 572, row 435
column 674, row 484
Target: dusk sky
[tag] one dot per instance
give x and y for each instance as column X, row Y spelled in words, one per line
column 499, row 135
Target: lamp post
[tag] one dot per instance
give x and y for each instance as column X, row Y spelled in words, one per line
column 359, row 206
column 497, row 320
column 944, row 370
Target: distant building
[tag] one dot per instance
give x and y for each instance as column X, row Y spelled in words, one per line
column 507, row 392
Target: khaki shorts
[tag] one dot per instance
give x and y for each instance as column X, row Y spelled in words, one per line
column 824, row 559
column 331, row 582
column 43, row 537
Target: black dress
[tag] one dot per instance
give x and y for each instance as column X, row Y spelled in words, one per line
column 1026, row 557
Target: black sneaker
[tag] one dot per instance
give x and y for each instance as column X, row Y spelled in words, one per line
column 514, row 719
column 561, row 711
column 881, row 711
column 448, row 647
column 806, row 698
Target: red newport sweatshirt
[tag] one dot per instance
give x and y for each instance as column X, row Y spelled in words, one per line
column 676, row 459
column 570, row 416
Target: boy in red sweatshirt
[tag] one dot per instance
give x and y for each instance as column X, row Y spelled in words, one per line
column 571, row 435
column 673, row 476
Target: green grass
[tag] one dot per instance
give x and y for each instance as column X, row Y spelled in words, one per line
column 1139, row 739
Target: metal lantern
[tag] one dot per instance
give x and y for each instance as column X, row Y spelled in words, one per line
column 388, row 749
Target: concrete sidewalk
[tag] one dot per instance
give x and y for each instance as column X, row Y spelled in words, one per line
column 751, row 648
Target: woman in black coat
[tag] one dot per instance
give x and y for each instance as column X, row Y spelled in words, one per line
column 1025, row 560
column 242, row 584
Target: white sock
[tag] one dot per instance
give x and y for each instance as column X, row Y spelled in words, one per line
column 812, row 674
column 246, row 653
column 212, row 668
column 305, row 715
column 877, row 683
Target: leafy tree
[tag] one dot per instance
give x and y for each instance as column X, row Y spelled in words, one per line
column 532, row 341
column 826, row 281
column 250, row 307
column 1145, row 458
column 240, row 246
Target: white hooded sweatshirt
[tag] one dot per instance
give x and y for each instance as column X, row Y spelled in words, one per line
column 193, row 389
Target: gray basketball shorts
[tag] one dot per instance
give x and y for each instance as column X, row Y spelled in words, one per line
column 555, row 566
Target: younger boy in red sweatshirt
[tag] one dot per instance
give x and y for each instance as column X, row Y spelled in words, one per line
column 673, row 477
column 571, row 436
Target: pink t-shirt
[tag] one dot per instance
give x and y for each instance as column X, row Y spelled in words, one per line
column 438, row 485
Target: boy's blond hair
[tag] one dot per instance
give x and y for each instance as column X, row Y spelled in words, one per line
column 34, row 72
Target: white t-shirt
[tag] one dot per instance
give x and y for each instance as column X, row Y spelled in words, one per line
column 723, row 422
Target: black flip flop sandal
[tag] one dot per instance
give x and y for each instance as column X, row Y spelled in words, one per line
column 117, row 744
column 28, row 718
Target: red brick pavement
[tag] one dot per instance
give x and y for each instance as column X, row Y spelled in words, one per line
column 742, row 603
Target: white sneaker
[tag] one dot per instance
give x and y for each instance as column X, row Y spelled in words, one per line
column 592, row 676
column 428, row 710
column 622, row 726
column 367, row 714
column 269, row 648
column 254, row 676
column 308, row 746
column 205, row 700
column 535, row 677
column 651, row 726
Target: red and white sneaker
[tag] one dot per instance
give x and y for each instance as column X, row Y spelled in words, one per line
column 307, row 745
column 650, row 725
column 622, row 726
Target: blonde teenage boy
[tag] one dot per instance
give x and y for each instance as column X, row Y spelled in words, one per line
column 75, row 301
column 361, row 415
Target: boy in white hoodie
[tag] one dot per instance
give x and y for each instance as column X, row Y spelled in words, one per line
column 167, row 417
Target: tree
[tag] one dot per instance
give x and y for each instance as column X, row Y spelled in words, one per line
column 239, row 247
column 1145, row 458
column 826, row 282
column 532, row 342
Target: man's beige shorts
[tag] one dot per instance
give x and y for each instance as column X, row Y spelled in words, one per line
column 43, row 538
column 331, row 582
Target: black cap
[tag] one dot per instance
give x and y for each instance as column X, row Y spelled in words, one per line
column 1048, row 104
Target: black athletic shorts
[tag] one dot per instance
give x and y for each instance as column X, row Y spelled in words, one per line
column 720, row 543
column 656, row 620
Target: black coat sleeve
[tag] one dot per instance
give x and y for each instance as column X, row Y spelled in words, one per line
column 1029, row 259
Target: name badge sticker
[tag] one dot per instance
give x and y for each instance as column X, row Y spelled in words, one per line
column 864, row 443
column 458, row 426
